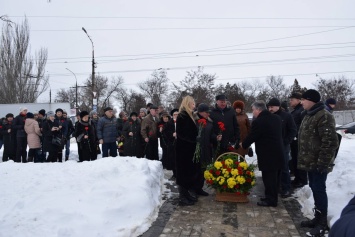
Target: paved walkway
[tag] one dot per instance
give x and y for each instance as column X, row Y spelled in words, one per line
column 209, row 218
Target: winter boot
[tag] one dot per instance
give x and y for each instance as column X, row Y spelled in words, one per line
column 66, row 158
column 183, row 200
column 192, row 195
column 30, row 159
column 312, row 223
column 321, row 227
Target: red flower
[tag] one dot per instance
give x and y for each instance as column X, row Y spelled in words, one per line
column 223, row 162
column 211, row 171
column 238, row 193
column 62, row 120
column 248, row 180
column 86, row 128
column 230, row 148
column 236, row 186
column 229, row 170
column 202, row 122
column 225, row 186
column 218, row 172
column 248, row 172
column 161, row 125
column 221, row 126
column 150, row 133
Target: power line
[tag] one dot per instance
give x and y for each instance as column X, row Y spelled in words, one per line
column 195, row 18
column 191, row 28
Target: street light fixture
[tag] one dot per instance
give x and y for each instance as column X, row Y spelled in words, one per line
column 93, row 72
column 76, row 91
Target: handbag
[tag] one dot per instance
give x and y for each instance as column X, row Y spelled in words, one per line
column 57, row 141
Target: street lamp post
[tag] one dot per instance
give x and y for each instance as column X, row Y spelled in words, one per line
column 76, row 91
column 93, row 72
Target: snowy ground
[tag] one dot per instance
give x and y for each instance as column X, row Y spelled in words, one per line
column 108, row 197
column 116, row 196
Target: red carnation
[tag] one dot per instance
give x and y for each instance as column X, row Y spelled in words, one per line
column 211, row 171
column 86, row 128
column 230, row 148
column 221, row 126
column 161, row 125
column 218, row 172
column 225, row 186
column 202, row 122
column 238, row 193
column 229, row 170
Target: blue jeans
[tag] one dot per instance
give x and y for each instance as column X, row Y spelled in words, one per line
column 67, row 148
column 109, row 146
column 317, row 182
column 285, row 171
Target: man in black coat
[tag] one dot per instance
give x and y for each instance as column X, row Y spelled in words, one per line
column 266, row 132
column 289, row 131
column 300, row 175
column 9, row 138
column 223, row 113
column 21, row 136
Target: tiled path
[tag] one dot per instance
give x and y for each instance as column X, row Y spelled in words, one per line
column 209, row 218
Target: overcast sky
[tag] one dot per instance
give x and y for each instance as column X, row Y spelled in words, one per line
column 236, row 40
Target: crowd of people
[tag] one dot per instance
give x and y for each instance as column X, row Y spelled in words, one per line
column 307, row 133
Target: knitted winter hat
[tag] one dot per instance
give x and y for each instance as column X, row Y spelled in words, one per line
column 9, row 115
column 274, row 102
column 331, row 101
column 92, row 113
column 238, row 104
column 30, row 115
column 296, row 95
column 50, row 114
column 23, row 109
column 311, row 95
column 143, row 110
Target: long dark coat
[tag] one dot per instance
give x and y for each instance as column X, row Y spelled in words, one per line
column 9, row 140
column 187, row 171
column 169, row 129
column 48, row 134
column 266, row 132
column 132, row 144
column 87, row 146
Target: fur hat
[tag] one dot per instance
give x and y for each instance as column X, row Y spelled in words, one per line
column 238, row 104
column 311, row 95
column 83, row 114
column 173, row 111
column 9, row 115
column 59, row 110
column 296, row 95
column 133, row 114
column 30, row 115
column 165, row 114
column 274, row 102
column 43, row 112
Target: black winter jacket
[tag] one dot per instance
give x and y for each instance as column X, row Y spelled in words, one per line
column 19, row 125
column 289, row 129
column 229, row 118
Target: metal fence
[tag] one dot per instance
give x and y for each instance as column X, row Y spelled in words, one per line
column 344, row 117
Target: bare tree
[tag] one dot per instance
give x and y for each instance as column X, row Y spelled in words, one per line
column 66, row 96
column 341, row 89
column 277, row 88
column 22, row 78
column 155, row 87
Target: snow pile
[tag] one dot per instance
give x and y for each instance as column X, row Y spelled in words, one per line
column 108, row 197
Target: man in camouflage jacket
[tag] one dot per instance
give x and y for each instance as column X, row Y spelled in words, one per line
column 317, row 142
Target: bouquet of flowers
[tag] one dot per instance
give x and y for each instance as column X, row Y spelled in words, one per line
column 201, row 124
column 221, row 129
column 230, row 173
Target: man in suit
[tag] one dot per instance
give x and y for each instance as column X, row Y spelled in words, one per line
column 266, row 132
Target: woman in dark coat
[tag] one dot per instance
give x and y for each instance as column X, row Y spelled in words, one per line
column 133, row 138
column 169, row 133
column 49, row 131
column 187, row 171
column 85, row 134
column 164, row 119
column 9, row 138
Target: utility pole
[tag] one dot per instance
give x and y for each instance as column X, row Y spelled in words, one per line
column 50, row 96
column 94, row 104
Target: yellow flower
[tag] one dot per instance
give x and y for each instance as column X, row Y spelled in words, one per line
column 207, row 175
column 225, row 172
column 217, row 165
column 220, row 180
column 234, row 172
column 252, row 183
column 240, row 179
column 231, row 182
column 244, row 165
column 228, row 162
column 252, row 174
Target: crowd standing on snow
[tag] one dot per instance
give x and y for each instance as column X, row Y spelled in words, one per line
column 307, row 133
